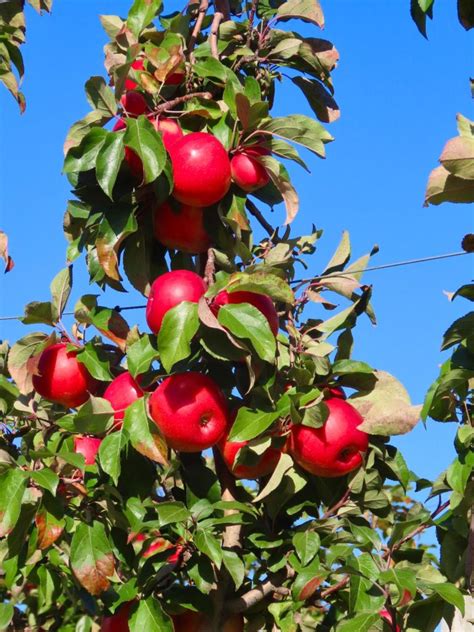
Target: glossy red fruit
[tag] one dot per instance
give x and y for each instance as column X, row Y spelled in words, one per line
column 88, row 447
column 385, row 614
column 181, row 228
column 334, row 391
column 265, row 465
column 190, row 410
column 170, row 130
column 260, row 301
column 247, row 172
column 171, row 289
column 334, row 449
column 118, row 622
column 61, row 378
column 134, row 103
column 201, row 169
column 175, row 78
column 130, row 84
column 190, row 621
column 121, row 392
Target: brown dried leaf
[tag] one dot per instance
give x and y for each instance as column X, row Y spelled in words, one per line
column 9, row 263
column 49, row 528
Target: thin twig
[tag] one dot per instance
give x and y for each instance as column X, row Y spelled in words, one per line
column 253, row 210
column 203, row 7
column 169, row 105
column 332, row 511
column 256, row 595
column 210, row 267
column 335, row 588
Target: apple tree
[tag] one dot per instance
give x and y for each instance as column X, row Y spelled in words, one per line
column 228, row 466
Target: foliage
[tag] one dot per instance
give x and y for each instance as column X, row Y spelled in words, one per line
column 292, row 551
column 12, row 36
column 422, row 9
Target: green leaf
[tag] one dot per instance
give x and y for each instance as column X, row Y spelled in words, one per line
column 320, row 100
column 46, row 478
column 100, row 96
column 306, row 10
column 457, row 475
column 141, row 354
column 306, row 545
column 445, row 187
column 360, row 622
column 299, row 129
column 285, row 465
column 141, row 14
column 460, row 330
column 307, row 581
column 20, row 358
column 178, row 328
column 6, row 615
column 235, row 566
column 108, row 162
column 144, row 434
column 341, row 256
column 342, row 367
column 150, row 616
column 250, row 423
column 209, row 545
column 110, row 452
column 281, row 180
column 90, row 356
column 91, row 557
column 449, row 593
column 60, row 291
column 261, row 283
column 247, row 322
column 108, row 321
column 95, row 416
column 83, row 157
column 38, row 312
column 172, row 512
column 362, row 583
column 147, row 143
column 12, row 488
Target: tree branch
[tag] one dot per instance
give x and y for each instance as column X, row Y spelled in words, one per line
column 253, row 210
column 169, row 105
column 210, row 267
column 332, row 511
column 222, row 12
column 203, row 7
column 232, row 532
column 254, row 596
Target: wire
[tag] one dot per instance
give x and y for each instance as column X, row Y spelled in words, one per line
column 409, row 262
column 385, row 266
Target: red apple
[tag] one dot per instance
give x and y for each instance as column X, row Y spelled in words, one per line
column 265, row 465
column 247, row 172
column 181, row 228
column 121, row 392
column 335, row 448
column 171, row 289
column 130, row 84
column 385, row 614
column 260, row 301
column 61, row 378
column 201, row 169
column 87, row 446
column 175, row 78
column 190, row 621
column 118, row 622
column 134, row 103
column 190, row 410
column 334, row 391
column 170, row 131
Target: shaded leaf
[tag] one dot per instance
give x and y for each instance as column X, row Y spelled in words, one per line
column 458, row 157
column 147, row 143
column 110, row 453
column 445, row 187
column 108, row 162
column 306, row 10
column 100, row 96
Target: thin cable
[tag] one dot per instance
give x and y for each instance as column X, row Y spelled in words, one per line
column 385, row 266
column 382, row 267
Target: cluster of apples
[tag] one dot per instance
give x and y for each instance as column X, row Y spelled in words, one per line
column 190, row 409
column 202, row 171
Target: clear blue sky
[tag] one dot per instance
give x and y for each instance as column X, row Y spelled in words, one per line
column 398, row 94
